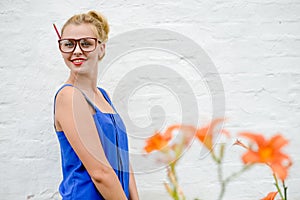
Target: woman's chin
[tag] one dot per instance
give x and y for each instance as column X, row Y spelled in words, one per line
column 78, row 69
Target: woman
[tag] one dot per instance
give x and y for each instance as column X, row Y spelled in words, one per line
column 92, row 136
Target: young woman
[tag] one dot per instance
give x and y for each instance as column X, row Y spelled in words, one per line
column 92, row 136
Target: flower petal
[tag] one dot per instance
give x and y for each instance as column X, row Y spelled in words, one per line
column 257, row 138
column 270, row 196
column 251, row 157
column 278, row 141
column 156, row 142
column 280, row 170
column 168, row 134
column 206, row 133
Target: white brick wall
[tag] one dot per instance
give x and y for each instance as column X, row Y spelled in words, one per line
column 254, row 45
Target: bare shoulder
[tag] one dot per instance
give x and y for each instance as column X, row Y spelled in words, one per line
column 67, row 97
column 71, row 104
column 63, row 99
column 65, row 93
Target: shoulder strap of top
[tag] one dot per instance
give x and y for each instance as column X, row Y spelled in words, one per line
column 87, row 99
column 104, row 93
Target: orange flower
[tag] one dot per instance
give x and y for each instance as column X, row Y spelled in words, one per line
column 206, row 134
column 170, row 129
column 270, row 196
column 159, row 140
column 269, row 152
column 156, row 142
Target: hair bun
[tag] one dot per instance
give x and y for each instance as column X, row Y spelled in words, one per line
column 102, row 20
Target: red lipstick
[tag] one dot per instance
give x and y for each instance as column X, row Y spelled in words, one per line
column 78, row 61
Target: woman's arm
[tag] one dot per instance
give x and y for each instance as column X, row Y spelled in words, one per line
column 133, row 193
column 74, row 116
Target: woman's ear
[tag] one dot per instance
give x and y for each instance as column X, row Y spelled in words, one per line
column 102, row 51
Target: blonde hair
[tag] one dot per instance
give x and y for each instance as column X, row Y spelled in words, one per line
column 97, row 20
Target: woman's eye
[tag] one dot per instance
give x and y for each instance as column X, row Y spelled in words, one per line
column 85, row 44
column 68, row 44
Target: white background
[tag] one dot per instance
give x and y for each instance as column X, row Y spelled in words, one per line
column 254, row 45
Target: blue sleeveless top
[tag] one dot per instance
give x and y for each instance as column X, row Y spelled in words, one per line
column 77, row 183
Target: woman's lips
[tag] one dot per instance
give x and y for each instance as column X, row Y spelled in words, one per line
column 77, row 62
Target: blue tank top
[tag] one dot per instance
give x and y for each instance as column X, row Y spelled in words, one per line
column 77, row 183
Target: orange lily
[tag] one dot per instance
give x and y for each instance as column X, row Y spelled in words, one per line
column 159, row 140
column 268, row 152
column 156, row 142
column 270, row 196
column 206, row 133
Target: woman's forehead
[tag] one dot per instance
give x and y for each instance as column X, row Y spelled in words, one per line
column 78, row 31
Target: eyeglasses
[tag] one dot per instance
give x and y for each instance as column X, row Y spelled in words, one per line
column 87, row 44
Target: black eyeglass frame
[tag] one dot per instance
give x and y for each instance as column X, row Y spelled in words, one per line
column 77, row 42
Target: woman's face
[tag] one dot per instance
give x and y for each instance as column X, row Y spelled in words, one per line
column 80, row 61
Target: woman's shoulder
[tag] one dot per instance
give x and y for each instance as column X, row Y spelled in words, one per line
column 64, row 89
column 67, row 93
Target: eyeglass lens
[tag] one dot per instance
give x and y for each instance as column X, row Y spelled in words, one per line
column 85, row 44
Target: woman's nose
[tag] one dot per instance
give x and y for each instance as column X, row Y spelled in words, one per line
column 77, row 50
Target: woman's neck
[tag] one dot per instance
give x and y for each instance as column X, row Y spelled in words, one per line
column 85, row 82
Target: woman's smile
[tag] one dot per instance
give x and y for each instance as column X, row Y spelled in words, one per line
column 78, row 61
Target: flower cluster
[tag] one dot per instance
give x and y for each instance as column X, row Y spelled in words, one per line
column 259, row 151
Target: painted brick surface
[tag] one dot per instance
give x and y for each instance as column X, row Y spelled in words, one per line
column 254, row 45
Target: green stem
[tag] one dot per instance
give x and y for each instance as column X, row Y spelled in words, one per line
column 214, row 157
column 238, row 173
column 285, row 190
column 229, row 178
column 219, row 162
column 278, row 188
column 176, row 194
column 220, row 177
